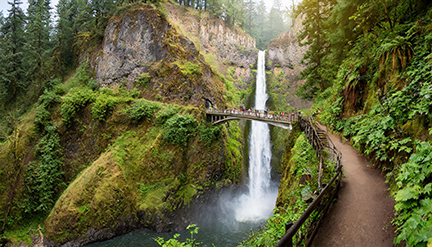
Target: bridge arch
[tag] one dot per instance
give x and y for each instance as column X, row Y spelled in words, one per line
column 283, row 120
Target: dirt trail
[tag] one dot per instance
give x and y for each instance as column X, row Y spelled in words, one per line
column 362, row 216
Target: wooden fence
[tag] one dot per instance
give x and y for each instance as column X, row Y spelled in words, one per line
column 325, row 151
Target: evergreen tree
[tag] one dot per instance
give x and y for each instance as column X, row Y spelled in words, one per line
column 101, row 11
column 233, row 12
column 3, row 92
column 38, row 40
column 1, row 19
column 63, row 53
column 314, row 34
column 12, row 78
column 276, row 21
column 250, row 15
column 83, row 18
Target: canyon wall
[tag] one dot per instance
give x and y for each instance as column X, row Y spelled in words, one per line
column 284, row 58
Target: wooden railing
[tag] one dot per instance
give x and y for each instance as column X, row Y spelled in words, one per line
column 274, row 116
column 322, row 202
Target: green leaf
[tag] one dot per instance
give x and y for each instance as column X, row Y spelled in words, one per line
column 408, row 193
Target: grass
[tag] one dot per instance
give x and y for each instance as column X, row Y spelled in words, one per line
column 22, row 234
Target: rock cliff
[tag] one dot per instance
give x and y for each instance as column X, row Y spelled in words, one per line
column 141, row 48
column 169, row 53
column 284, row 58
column 232, row 48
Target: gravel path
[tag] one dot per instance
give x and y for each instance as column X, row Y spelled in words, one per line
column 362, row 215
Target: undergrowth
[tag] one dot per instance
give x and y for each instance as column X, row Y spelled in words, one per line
column 380, row 101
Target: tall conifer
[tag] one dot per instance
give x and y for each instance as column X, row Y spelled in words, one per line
column 12, row 78
column 65, row 33
column 38, row 40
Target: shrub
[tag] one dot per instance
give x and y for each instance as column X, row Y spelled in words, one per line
column 134, row 93
column 143, row 79
column 103, row 104
column 143, row 109
column 43, row 114
column 190, row 242
column 92, row 84
column 189, row 68
column 43, row 177
column 42, row 118
column 208, row 133
column 74, row 101
column 179, row 128
column 166, row 112
column 413, row 199
column 49, row 85
column 81, row 77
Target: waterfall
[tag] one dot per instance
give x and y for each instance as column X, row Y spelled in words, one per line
column 259, row 139
column 258, row 204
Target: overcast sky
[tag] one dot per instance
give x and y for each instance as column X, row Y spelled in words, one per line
column 4, row 6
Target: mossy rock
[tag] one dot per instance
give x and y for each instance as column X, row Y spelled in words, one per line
column 100, row 197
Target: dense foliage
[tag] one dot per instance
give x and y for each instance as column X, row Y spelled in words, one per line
column 179, row 128
column 369, row 70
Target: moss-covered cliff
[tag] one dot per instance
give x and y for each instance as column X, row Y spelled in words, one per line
column 124, row 143
column 176, row 55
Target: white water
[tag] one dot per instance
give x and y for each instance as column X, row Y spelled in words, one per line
column 259, row 202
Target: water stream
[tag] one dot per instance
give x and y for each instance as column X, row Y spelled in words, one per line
column 228, row 220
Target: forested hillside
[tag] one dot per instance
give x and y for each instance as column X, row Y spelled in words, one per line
column 100, row 136
column 369, row 72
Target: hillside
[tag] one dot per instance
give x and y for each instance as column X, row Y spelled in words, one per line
column 123, row 143
column 369, row 72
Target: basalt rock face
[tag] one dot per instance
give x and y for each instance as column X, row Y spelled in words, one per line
column 141, row 48
column 180, row 54
column 131, row 44
column 284, row 58
column 232, row 48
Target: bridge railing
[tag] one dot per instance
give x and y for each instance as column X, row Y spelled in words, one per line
column 327, row 194
column 272, row 115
